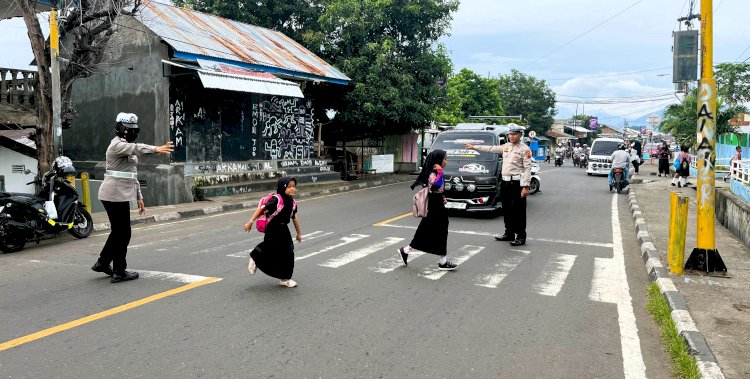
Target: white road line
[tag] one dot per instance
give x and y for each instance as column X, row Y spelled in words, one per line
column 360, row 253
column 226, row 245
column 463, row 254
column 475, row 233
column 610, row 285
column 241, row 254
column 554, row 275
column 344, row 241
column 393, row 263
column 171, row 276
column 314, row 235
column 501, row 270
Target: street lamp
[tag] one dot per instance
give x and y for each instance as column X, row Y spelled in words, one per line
column 330, row 113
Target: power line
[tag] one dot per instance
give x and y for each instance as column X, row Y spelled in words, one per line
column 641, row 96
column 602, row 102
column 610, row 75
column 581, row 35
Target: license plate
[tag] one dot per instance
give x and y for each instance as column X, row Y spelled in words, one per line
column 453, row 205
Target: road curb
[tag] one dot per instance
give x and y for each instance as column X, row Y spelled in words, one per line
column 694, row 340
column 244, row 204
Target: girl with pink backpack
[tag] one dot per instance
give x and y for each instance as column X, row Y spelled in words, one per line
column 275, row 255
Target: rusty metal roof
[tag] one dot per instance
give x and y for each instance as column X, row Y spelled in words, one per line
column 196, row 35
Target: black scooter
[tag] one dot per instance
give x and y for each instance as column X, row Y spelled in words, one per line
column 558, row 159
column 31, row 217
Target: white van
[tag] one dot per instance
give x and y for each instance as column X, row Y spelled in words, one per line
column 599, row 157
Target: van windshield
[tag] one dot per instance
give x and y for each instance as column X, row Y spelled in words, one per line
column 453, row 144
column 604, row 147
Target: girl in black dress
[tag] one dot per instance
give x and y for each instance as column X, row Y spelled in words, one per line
column 432, row 233
column 275, row 255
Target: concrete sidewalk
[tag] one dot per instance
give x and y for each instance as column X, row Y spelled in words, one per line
column 229, row 203
column 719, row 307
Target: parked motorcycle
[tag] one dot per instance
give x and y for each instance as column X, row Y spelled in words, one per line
column 618, row 180
column 30, row 217
column 535, row 183
column 558, row 159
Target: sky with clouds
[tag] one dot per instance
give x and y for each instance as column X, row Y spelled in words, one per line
column 539, row 38
column 548, row 39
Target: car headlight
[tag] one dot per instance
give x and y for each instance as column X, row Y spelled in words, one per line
column 458, row 187
column 448, row 186
column 471, row 188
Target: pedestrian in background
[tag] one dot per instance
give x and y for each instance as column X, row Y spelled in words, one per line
column 683, row 171
column 275, row 255
column 665, row 156
column 432, row 234
column 514, row 187
column 638, row 147
column 119, row 187
column 733, row 162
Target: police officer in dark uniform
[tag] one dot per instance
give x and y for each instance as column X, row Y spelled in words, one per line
column 119, row 187
column 514, row 185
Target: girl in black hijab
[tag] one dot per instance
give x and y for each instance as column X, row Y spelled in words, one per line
column 432, row 234
column 275, row 255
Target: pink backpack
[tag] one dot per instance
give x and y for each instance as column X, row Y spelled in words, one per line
column 262, row 222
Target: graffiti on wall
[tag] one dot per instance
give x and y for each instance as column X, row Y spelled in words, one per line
column 177, row 122
column 285, row 127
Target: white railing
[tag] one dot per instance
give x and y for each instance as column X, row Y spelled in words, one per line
column 722, row 166
column 741, row 171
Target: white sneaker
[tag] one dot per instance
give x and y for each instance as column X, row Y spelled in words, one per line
column 288, row 283
column 251, row 267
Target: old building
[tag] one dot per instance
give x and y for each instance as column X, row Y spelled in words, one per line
column 230, row 96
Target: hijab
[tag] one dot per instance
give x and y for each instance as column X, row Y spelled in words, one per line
column 286, row 212
column 281, row 186
column 435, row 157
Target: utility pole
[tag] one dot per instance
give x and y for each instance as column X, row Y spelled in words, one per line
column 54, row 52
column 705, row 257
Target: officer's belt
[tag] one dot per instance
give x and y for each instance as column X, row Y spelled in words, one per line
column 511, row 177
column 121, row 174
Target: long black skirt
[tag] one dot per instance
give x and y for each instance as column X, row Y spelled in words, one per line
column 664, row 166
column 275, row 255
column 432, row 233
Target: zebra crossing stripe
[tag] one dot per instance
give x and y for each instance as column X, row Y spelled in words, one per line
column 501, row 270
column 241, row 254
column 344, row 241
column 463, row 254
column 314, row 235
column 360, row 253
column 554, row 275
column 395, row 262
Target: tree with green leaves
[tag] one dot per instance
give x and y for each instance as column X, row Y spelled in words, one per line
column 468, row 94
column 681, row 120
column 733, row 82
column 526, row 95
column 389, row 48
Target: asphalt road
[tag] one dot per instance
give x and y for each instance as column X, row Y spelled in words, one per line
column 569, row 304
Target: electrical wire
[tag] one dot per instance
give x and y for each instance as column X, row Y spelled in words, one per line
column 611, row 75
column 582, row 34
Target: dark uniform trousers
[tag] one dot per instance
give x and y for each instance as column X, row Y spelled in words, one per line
column 116, row 246
column 514, row 208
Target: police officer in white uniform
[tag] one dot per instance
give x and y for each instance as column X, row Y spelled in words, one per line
column 514, row 187
column 119, row 187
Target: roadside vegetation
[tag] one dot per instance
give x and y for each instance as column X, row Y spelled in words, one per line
column 683, row 364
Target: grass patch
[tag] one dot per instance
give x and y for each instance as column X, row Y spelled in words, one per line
column 683, row 364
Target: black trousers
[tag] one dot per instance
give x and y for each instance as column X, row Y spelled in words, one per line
column 514, row 208
column 116, row 247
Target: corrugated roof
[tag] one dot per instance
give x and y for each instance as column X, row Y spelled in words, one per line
column 244, row 83
column 198, row 35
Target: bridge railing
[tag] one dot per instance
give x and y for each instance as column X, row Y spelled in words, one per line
column 17, row 87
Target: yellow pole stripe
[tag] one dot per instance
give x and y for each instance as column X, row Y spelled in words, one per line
column 101, row 315
column 393, row 219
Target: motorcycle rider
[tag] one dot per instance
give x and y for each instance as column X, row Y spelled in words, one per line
column 119, row 187
column 576, row 153
column 620, row 159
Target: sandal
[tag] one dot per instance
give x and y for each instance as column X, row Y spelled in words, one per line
column 289, row 283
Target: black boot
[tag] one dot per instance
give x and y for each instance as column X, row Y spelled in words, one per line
column 518, row 241
column 506, row 237
column 99, row 267
column 124, row 276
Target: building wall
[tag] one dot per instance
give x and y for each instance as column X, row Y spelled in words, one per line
column 131, row 80
column 16, row 182
column 224, row 126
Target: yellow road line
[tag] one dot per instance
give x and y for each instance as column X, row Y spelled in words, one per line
column 393, row 219
column 103, row 314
